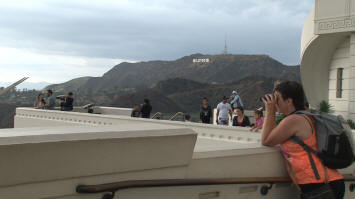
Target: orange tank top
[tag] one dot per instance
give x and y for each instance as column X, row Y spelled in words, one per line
column 298, row 159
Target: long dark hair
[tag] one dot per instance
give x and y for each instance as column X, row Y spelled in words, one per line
column 292, row 90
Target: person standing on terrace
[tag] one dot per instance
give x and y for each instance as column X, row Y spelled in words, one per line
column 224, row 112
column 236, row 100
column 259, row 120
column 50, row 104
column 146, row 109
column 205, row 112
column 39, row 103
column 136, row 112
column 67, row 105
column 241, row 119
column 307, row 172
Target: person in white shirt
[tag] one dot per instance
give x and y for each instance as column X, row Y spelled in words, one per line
column 224, row 112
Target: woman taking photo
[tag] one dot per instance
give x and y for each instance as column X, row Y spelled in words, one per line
column 287, row 98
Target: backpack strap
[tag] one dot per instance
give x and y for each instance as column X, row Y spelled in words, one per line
column 309, row 150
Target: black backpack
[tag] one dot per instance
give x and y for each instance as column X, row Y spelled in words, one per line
column 334, row 141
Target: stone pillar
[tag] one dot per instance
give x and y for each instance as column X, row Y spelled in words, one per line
column 351, row 79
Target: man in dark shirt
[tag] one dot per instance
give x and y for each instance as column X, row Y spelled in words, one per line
column 205, row 112
column 146, row 109
column 68, row 102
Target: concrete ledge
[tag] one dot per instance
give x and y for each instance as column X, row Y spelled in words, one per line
column 29, row 117
column 35, row 155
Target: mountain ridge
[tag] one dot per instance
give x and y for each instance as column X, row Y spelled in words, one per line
column 218, row 69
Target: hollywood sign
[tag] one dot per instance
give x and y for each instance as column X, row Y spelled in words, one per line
column 201, row 60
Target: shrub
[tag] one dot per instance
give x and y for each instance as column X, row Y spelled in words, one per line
column 325, row 107
column 351, row 124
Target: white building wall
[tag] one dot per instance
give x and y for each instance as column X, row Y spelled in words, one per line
column 341, row 59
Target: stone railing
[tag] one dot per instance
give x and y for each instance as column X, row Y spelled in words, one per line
column 29, row 117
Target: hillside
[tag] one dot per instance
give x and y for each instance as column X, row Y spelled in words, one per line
column 159, row 101
column 72, row 85
column 175, row 95
column 128, row 77
column 171, row 86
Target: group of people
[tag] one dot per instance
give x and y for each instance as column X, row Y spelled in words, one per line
column 225, row 113
column 49, row 103
column 142, row 110
column 287, row 98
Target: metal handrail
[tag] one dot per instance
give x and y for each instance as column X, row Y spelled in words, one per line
column 111, row 187
column 176, row 114
column 114, row 187
column 158, row 114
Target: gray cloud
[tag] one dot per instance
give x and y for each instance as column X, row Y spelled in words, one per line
column 148, row 30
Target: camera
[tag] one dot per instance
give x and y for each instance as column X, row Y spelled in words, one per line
column 61, row 97
column 89, row 107
column 62, row 101
column 66, row 102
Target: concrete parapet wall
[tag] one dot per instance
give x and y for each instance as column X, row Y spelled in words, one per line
column 45, row 162
column 35, row 155
column 28, row 117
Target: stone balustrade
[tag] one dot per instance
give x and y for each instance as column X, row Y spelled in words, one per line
column 29, row 117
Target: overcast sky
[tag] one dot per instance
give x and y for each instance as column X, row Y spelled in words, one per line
column 57, row 40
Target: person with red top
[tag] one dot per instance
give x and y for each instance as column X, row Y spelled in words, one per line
column 240, row 119
column 308, row 175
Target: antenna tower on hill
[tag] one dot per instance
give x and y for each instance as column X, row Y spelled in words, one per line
column 225, row 51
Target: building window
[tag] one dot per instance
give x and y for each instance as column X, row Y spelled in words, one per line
column 340, row 82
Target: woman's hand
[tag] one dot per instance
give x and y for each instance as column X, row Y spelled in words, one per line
column 270, row 103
